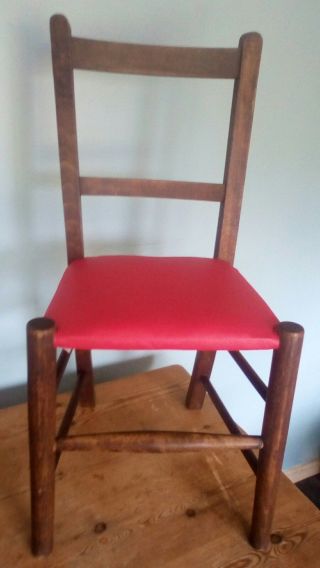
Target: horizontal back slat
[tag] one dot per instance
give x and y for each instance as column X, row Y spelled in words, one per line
column 93, row 55
column 198, row 191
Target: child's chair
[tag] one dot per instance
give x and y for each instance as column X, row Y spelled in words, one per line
column 137, row 302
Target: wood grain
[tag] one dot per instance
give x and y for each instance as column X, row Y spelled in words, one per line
column 62, row 363
column 281, row 387
column 42, row 425
column 202, row 368
column 198, row 191
column 232, row 426
column 116, row 510
column 69, row 415
column 241, row 64
column 166, row 61
column 86, row 376
column 250, row 373
column 238, row 145
column 156, row 442
column 67, row 134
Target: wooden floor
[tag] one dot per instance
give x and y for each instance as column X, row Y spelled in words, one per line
column 135, row 511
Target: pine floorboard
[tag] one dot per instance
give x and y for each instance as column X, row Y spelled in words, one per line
column 152, row 511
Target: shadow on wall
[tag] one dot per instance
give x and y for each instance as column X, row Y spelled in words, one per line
column 18, row 394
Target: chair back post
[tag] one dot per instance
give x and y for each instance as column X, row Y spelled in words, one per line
column 250, row 47
column 61, row 42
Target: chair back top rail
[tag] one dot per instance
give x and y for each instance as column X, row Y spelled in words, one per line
column 240, row 64
column 165, row 61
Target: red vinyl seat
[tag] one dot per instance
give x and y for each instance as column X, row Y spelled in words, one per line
column 136, row 302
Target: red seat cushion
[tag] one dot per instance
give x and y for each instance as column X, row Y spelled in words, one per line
column 136, row 302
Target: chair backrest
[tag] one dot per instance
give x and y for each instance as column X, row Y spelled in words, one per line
column 240, row 64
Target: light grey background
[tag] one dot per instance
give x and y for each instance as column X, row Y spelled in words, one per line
column 166, row 128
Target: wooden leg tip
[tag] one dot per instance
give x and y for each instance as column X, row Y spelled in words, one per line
column 193, row 405
column 40, row 324
column 291, row 328
column 40, row 549
column 260, row 543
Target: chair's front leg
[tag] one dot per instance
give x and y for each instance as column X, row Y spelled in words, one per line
column 202, row 368
column 84, row 368
column 280, row 394
column 42, row 424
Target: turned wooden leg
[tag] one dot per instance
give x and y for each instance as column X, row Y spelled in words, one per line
column 280, row 394
column 202, row 369
column 42, row 418
column 84, row 368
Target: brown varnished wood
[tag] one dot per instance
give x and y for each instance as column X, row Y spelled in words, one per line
column 69, row 414
column 229, row 422
column 241, row 64
column 156, row 442
column 250, row 373
column 250, row 46
column 202, row 369
column 238, row 145
column 152, row 188
column 67, row 134
column 165, row 61
column 194, row 509
column 41, row 413
column 280, row 395
column 62, row 363
column 85, row 373
column 239, row 134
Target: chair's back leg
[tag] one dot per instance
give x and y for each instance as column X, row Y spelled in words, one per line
column 280, row 394
column 42, row 424
column 84, row 368
column 202, row 368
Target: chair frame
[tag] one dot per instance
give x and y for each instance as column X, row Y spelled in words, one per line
column 45, row 370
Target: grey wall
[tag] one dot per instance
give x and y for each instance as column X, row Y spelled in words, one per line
column 166, row 128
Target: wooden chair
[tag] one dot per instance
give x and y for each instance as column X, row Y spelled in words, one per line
column 136, row 302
